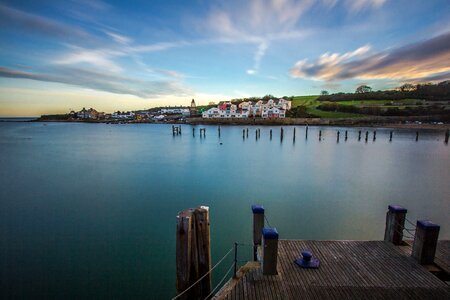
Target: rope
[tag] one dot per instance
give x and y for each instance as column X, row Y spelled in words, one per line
column 411, row 223
column 265, row 217
column 200, row 279
column 221, row 281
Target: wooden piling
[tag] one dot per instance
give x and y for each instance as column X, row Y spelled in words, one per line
column 306, row 132
column 337, row 136
column 179, row 129
column 247, row 132
column 320, row 135
column 218, row 129
column 346, row 135
column 425, row 242
column 243, row 133
column 359, row 135
column 374, row 135
column 294, row 135
column 367, row 135
column 390, row 136
column 281, row 134
column 447, row 133
column 271, row 134
column 417, row 136
column 258, row 224
column 270, row 251
column 395, row 222
column 193, row 253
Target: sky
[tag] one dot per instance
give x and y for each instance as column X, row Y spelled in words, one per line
column 57, row 56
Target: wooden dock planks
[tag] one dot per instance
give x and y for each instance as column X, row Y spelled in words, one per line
column 348, row 269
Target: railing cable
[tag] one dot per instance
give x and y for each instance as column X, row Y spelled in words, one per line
column 221, row 281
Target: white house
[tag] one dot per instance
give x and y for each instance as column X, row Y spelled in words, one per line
column 175, row 110
column 123, row 115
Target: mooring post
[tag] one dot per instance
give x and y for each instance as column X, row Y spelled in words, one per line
column 193, row 131
column 320, row 135
column 374, row 135
column 193, row 253
column 281, row 134
column 179, row 128
column 258, row 224
column 395, row 223
column 243, row 133
column 259, row 133
column 390, row 136
column 294, row 134
column 346, row 135
column 359, row 135
column 271, row 134
column 270, row 251
column 367, row 135
column 173, row 129
column 306, row 132
column 247, row 132
column 256, row 134
column 417, row 136
column 218, row 130
column 425, row 242
column 447, row 133
column 338, row 133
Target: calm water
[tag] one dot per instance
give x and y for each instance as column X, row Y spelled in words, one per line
column 88, row 210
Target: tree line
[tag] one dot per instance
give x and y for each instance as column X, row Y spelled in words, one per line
column 425, row 91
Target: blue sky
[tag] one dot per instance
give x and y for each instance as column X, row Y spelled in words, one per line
column 61, row 55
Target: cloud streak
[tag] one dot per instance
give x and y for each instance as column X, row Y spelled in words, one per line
column 10, row 17
column 416, row 61
column 103, row 82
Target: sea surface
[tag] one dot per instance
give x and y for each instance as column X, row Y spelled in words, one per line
column 88, row 210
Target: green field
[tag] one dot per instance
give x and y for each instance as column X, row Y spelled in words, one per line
column 311, row 104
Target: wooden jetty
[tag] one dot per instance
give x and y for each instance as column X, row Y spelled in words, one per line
column 310, row 269
column 348, row 270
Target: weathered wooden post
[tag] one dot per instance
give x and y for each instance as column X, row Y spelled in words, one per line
column 269, row 251
column 359, row 135
column 258, row 224
column 367, row 135
column 281, row 134
column 338, row 133
column 447, row 133
column 425, row 242
column 243, row 133
column 294, row 135
column 259, row 133
column 306, row 132
column 390, row 136
column 218, row 130
column 395, row 222
column 346, row 135
column 256, row 134
column 374, row 135
column 173, row 130
column 270, row 134
column 247, row 132
column 417, row 136
column 193, row 131
column 193, row 253
column 204, row 132
column 320, row 135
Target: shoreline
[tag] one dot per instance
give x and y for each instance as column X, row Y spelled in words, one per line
column 424, row 122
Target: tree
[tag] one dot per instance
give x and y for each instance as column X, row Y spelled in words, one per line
column 363, row 89
column 324, row 93
column 407, row 87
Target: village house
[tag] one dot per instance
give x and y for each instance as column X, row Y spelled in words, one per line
column 270, row 109
column 88, row 114
column 175, row 110
column 123, row 115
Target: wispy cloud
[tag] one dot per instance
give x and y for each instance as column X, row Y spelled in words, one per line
column 359, row 5
column 416, row 61
column 103, row 82
column 11, row 17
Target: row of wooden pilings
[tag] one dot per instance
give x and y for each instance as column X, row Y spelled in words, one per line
column 177, row 130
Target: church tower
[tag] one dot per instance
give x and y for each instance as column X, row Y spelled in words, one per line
column 193, row 108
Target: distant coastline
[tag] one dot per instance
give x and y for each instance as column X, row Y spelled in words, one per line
column 419, row 122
